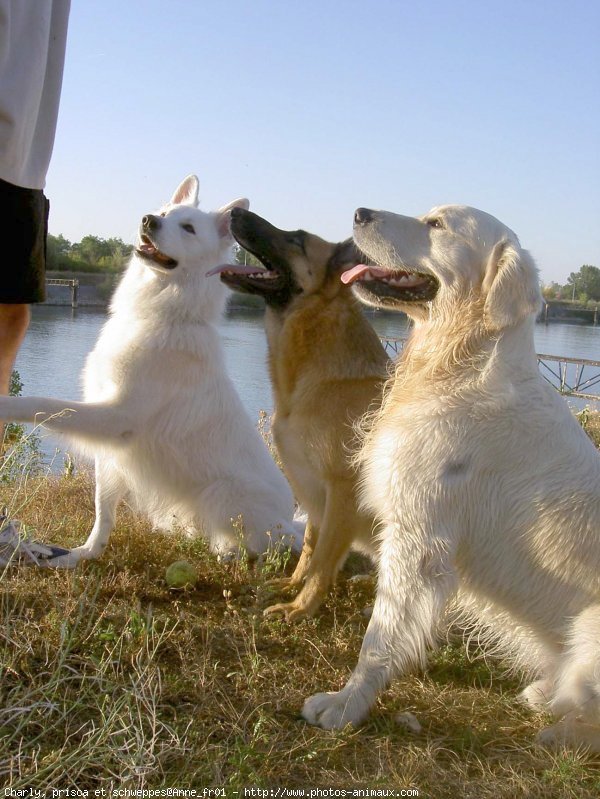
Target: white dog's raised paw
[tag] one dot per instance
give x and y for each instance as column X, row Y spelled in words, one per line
column 333, row 711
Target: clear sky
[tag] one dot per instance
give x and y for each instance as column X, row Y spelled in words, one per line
column 314, row 107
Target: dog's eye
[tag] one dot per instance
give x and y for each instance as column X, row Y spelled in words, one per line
column 436, row 222
column 297, row 239
column 188, row 228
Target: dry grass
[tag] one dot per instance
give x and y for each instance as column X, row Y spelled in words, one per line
column 107, row 677
column 590, row 421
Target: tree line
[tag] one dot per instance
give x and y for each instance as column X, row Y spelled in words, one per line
column 582, row 287
column 94, row 254
column 91, row 254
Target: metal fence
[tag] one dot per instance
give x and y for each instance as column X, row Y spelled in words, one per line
column 573, row 377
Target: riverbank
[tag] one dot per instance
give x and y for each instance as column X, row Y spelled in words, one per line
column 567, row 311
column 96, row 289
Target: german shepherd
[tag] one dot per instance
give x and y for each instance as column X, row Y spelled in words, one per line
column 328, row 368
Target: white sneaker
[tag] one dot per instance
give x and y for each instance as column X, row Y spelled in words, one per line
column 16, row 549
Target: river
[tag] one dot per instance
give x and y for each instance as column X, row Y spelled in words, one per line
column 59, row 338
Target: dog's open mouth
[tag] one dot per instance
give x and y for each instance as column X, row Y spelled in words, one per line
column 149, row 252
column 269, row 275
column 248, row 277
column 388, row 287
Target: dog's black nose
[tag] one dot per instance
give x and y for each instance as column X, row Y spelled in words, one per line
column 362, row 216
column 150, row 222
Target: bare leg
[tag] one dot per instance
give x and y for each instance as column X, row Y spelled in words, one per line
column 14, row 321
column 414, row 585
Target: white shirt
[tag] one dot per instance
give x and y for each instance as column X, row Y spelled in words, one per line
column 33, row 35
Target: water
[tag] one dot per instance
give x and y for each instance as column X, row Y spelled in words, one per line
column 59, row 339
column 572, row 341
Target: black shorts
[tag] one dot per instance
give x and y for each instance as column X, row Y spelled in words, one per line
column 24, row 229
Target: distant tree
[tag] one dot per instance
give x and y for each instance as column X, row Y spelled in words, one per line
column 551, row 291
column 585, row 282
column 112, row 263
column 91, row 249
column 58, row 252
column 242, row 256
column 119, row 254
column 59, row 244
column 118, row 248
column 100, row 254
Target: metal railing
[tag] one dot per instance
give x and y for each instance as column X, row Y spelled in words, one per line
column 573, row 377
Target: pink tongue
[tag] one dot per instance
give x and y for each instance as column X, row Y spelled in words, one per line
column 238, row 269
column 350, row 275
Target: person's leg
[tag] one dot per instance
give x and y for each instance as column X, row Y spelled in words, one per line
column 14, row 321
column 24, row 227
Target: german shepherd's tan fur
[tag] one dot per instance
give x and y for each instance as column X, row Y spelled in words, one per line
column 328, row 368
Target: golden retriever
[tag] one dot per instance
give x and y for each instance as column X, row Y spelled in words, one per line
column 486, row 488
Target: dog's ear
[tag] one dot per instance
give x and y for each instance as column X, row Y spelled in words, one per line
column 224, row 215
column 510, row 286
column 187, row 192
column 345, row 255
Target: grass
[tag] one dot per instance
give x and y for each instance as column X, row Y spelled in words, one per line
column 590, row 421
column 107, row 678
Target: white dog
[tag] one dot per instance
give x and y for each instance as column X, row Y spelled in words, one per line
column 485, row 486
column 160, row 415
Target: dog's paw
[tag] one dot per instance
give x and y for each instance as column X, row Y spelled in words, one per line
column 334, row 711
column 570, row 733
column 292, row 611
column 554, row 737
column 70, row 560
column 537, row 694
column 283, row 583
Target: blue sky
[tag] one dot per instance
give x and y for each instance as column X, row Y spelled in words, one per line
column 313, row 108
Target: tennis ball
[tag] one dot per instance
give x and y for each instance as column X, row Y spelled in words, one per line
column 181, row 574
